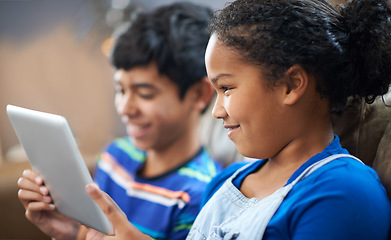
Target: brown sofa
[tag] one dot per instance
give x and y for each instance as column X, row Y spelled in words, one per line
column 365, row 131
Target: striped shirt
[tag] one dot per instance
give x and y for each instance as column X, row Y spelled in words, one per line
column 164, row 207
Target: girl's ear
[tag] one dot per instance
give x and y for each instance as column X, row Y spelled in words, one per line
column 205, row 92
column 297, row 80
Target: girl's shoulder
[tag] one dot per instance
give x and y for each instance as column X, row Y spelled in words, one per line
column 346, row 171
column 345, row 184
column 334, row 200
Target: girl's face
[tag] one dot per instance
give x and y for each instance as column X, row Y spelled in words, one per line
column 253, row 113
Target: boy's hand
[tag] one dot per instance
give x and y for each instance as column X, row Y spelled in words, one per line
column 40, row 210
column 122, row 227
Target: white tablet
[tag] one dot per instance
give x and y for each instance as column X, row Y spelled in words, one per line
column 53, row 154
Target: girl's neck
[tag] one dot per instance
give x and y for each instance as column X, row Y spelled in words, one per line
column 300, row 149
column 311, row 135
column 277, row 170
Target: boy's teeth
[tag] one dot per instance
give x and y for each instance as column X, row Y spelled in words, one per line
column 136, row 128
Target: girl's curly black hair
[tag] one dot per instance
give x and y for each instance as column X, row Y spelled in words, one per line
column 348, row 50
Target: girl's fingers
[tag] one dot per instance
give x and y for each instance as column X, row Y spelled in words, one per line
column 124, row 230
column 108, row 206
column 33, row 195
column 94, row 235
column 40, row 206
column 32, row 176
column 29, row 196
column 31, row 191
column 27, row 184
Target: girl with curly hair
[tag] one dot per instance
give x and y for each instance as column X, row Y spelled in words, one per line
column 280, row 68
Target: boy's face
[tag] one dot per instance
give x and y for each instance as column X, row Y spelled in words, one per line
column 150, row 107
column 251, row 111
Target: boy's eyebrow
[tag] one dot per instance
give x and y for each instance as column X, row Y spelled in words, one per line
column 142, row 85
column 137, row 85
column 216, row 78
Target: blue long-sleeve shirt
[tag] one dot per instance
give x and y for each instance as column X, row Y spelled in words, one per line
column 342, row 200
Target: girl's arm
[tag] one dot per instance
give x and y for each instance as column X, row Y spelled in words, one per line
column 123, row 229
column 40, row 210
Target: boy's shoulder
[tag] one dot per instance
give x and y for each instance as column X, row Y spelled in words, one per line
column 124, row 149
column 201, row 168
column 122, row 153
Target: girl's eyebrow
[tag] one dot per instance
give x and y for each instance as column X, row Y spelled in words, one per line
column 216, row 78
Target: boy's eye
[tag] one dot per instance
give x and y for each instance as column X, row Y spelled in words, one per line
column 146, row 93
column 119, row 90
column 146, row 96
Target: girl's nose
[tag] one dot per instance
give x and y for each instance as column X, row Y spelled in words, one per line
column 218, row 109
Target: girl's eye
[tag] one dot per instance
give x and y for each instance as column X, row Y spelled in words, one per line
column 225, row 89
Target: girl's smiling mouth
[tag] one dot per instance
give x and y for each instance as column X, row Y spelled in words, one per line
column 232, row 128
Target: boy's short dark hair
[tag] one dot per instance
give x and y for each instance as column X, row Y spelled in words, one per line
column 174, row 36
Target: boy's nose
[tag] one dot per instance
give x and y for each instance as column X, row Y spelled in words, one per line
column 126, row 105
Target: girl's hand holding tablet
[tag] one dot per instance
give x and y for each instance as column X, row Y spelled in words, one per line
column 40, row 210
column 122, row 227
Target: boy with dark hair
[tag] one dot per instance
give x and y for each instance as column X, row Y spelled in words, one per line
column 158, row 173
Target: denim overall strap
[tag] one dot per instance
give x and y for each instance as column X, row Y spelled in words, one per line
column 321, row 163
column 230, row 215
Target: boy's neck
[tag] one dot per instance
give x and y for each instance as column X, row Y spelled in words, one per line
column 159, row 162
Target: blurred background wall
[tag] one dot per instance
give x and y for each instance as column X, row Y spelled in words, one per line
column 52, row 58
